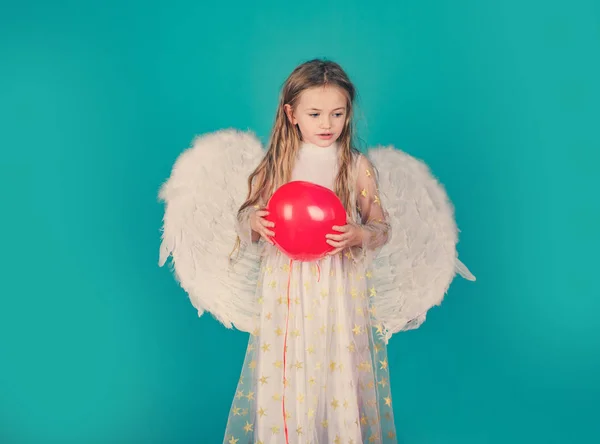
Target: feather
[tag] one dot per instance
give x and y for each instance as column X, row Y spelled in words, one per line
column 207, row 185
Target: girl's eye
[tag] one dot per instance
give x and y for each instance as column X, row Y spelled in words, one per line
column 313, row 115
column 339, row 114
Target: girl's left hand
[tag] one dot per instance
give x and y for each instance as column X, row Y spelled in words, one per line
column 352, row 235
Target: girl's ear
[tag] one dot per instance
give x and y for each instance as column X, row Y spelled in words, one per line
column 290, row 113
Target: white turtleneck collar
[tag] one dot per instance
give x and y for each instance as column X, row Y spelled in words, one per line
column 312, row 149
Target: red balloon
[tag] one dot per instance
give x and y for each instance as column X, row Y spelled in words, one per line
column 304, row 213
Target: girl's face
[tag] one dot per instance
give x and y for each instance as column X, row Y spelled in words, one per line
column 320, row 114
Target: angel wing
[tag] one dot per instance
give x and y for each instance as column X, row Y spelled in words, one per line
column 413, row 271
column 207, row 185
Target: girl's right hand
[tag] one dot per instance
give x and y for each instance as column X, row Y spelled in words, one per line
column 261, row 226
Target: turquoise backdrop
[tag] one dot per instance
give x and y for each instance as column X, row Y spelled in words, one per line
column 97, row 99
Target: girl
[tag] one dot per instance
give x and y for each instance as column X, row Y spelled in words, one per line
column 316, row 368
column 314, row 371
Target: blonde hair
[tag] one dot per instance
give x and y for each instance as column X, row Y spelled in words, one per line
column 276, row 167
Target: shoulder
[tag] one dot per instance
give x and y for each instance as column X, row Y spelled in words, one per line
column 362, row 162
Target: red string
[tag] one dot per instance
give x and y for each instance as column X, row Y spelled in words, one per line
column 285, row 352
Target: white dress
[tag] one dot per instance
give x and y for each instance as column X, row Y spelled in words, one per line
column 315, row 370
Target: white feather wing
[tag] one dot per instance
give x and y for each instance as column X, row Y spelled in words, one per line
column 207, row 185
column 413, row 271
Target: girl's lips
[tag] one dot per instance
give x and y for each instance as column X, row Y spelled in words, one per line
column 325, row 136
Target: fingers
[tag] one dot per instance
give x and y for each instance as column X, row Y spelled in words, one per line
column 336, row 244
column 337, row 237
column 343, row 229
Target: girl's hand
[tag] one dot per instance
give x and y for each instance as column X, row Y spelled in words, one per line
column 261, row 225
column 352, row 235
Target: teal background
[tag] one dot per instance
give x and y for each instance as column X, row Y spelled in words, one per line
column 97, row 99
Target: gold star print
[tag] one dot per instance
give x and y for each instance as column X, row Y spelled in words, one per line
column 377, row 347
column 306, row 285
column 248, row 427
column 354, row 293
column 332, row 365
column 260, row 300
column 351, row 348
column 264, row 380
column 356, row 330
column 300, row 398
column 285, row 268
column 363, row 192
column 372, row 292
column 244, row 412
column 388, row 401
column 236, row 411
column 297, row 300
column 374, row 437
column 388, row 416
column 368, row 274
column 383, row 382
column 368, row 173
column 318, row 366
column 363, row 419
column 265, row 347
column 279, row 331
column 312, row 380
column 299, row 430
column 270, row 270
column 256, row 331
column 310, row 349
column 278, row 364
column 252, row 364
column 337, row 440
column 372, row 310
column 346, row 404
column 295, row 333
column 309, row 316
column 311, row 413
column 262, row 412
column 324, row 293
column 298, row 365
column 384, row 364
column 288, row 415
column 370, row 384
column 348, row 254
column 239, row 394
column 280, row 300
column 379, row 329
column 359, row 311
column 268, row 316
column 364, row 366
column 275, row 430
column 273, row 284
column 377, row 201
column 233, row 440
column 372, row 403
column 250, row 396
column 276, row 397
column 285, row 382
column 335, row 403
column 324, row 423
column 391, row 435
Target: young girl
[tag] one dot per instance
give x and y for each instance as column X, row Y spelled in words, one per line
column 316, row 368
column 314, row 371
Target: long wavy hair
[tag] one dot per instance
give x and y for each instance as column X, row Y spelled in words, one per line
column 276, row 167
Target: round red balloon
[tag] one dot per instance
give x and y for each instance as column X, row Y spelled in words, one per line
column 304, row 213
